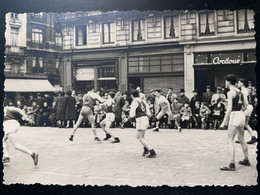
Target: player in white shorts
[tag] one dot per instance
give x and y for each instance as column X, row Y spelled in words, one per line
column 110, row 117
column 248, row 110
column 162, row 107
column 140, row 111
column 236, row 122
column 11, row 126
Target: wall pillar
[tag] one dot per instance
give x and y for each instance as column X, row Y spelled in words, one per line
column 67, row 73
column 188, row 70
column 122, row 62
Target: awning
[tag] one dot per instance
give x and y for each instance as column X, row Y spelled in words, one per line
column 28, row 85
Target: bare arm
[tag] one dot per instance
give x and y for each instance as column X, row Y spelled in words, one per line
column 230, row 95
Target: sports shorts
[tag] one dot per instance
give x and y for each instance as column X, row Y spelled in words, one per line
column 142, row 123
column 237, row 118
column 11, row 126
column 110, row 116
column 86, row 111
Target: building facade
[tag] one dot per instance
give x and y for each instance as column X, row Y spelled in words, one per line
column 123, row 50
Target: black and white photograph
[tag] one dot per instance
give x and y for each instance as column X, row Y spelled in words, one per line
column 135, row 98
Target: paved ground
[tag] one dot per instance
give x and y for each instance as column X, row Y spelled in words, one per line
column 189, row 158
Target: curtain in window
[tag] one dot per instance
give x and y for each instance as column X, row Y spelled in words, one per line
column 14, row 36
column 241, row 19
column 203, row 20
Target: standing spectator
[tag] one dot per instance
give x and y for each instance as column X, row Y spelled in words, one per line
column 196, row 115
column 125, row 112
column 183, row 98
column 118, row 108
column 47, row 99
column 218, row 96
column 218, row 113
column 141, row 95
column 70, row 109
column 61, row 109
column 31, row 100
column 186, row 115
column 46, row 111
column 20, row 98
column 176, row 107
column 53, row 112
column 39, row 100
column 206, row 97
column 195, row 98
column 204, row 114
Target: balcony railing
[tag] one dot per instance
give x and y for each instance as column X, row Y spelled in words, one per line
column 14, row 50
column 43, row 45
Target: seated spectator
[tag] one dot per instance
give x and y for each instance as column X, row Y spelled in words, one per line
column 204, row 114
column 46, row 111
column 195, row 98
column 32, row 113
column 170, row 95
column 175, row 108
column 218, row 113
column 186, row 115
column 19, row 104
column 196, row 115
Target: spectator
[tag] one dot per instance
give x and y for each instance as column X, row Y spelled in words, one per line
column 183, row 98
column 47, row 99
column 218, row 113
column 195, row 98
column 61, row 109
column 125, row 112
column 118, row 108
column 99, row 113
column 206, row 97
column 152, row 119
column 46, row 111
column 20, row 98
column 70, row 109
column 31, row 100
column 186, row 115
column 196, row 115
column 19, row 104
column 218, row 96
column 176, row 107
column 141, row 95
column 204, row 114
column 170, row 95
column 53, row 111
column 39, row 100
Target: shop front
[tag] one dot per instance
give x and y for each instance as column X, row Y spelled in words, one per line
column 210, row 68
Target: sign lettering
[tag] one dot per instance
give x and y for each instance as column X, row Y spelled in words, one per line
column 227, row 60
column 85, row 74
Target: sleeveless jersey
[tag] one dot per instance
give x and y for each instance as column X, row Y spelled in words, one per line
column 237, row 101
column 140, row 110
column 12, row 115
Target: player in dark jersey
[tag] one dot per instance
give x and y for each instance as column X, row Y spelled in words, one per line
column 11, row 126
column 140, row 110
column 87, row 110
column 110, row 117
column 236, row 122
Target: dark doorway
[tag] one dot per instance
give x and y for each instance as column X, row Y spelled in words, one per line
column 204, row 76
column 134, row 82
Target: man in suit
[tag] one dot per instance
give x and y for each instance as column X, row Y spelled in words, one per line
column 206, row 97
column 183, row 98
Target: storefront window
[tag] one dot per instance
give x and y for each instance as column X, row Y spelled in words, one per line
column 245, row 20
column 206, row 24
column 167, row 63
column 108, row 32
column 138, row 30
column 171, row 27
column 104, row 72
column 81, row 35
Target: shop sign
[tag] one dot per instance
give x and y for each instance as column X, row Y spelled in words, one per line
column 93, row 39
column 85, row 74
column 228, row 60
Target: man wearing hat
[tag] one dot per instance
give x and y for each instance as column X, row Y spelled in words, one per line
column 206, row 97
column 195, row 98
column 217, row 96
column 39, row 100
column 183, row 98
column 31, row 100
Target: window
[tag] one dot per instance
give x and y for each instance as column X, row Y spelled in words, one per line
column 245, row 20
column 14, row 36
column 14, row 15
column 81, row 35
column 37, row 65
column 171, row 27
column 108, row 71
column 37, row 35
column 58, row 39
column 206, row 24
column 108, row 33
column 68, row 39
column 164, row 63
column 138, row 30
column 93, row 27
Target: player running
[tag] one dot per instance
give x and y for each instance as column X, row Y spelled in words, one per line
column 236, row 122
column 162, row 107
column 110, row 117
column 140, row 110
column 87, row 110
column 11, row 126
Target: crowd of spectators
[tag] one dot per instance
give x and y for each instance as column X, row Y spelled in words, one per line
column 62, row 109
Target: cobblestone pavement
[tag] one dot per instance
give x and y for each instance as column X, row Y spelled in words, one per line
column 187, row 158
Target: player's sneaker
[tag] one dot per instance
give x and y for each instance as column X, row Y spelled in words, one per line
column 152, row 154
column 6, row 160
column 35, row 158
column 253, row 140
column 156, row 129
column 179, row 129
column 146, row 151
column 71, row 138
column 244, row 162
column 117, row 140
column 230, row 167
column 97, row 139
column 108, row 136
